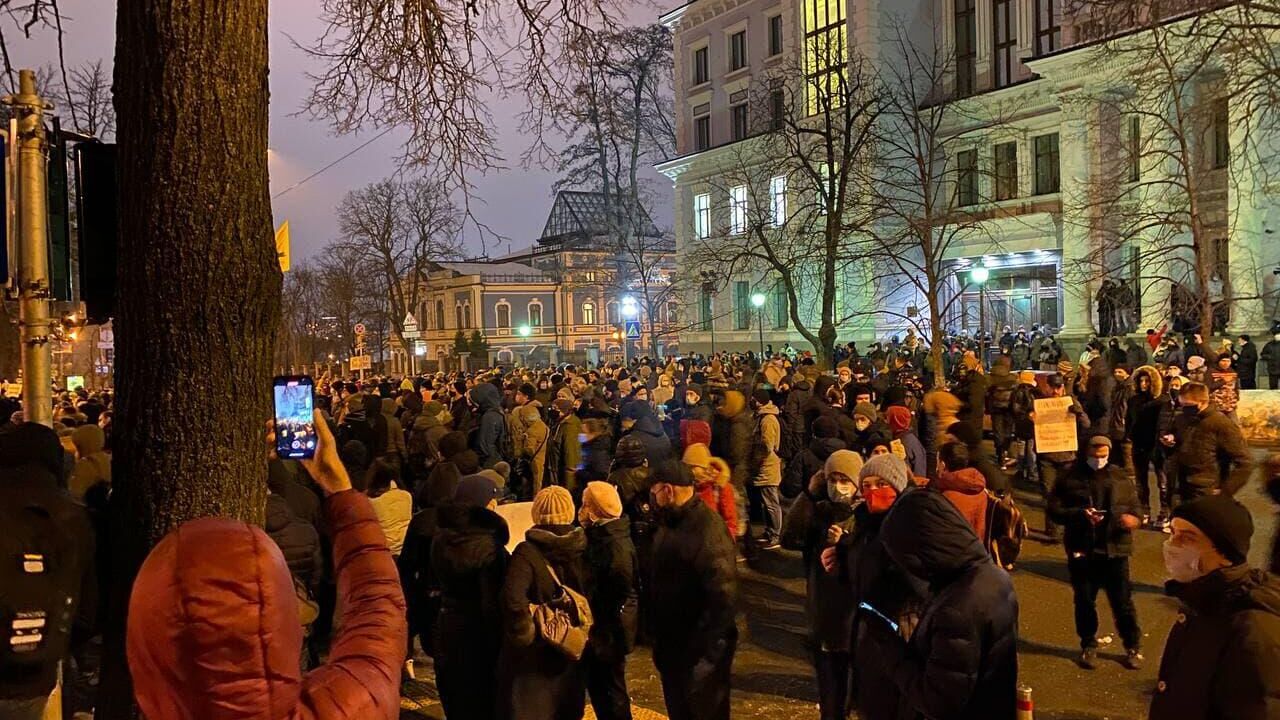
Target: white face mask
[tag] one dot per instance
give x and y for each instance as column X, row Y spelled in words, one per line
column 1097, row 463
column 861, row 424
column 840, row 492
column 1182, row 563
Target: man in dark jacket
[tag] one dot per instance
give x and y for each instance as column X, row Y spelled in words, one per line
column 693, row 592
column 1118, row 412
column 1211, row 454
column 961, row 660
column 1222, row 659
column 1095, row 502
column 469, row 559
column 50, row 545
column 1055, row 465
column 611, row 574
column 638, row 420
column 488, row 440
column 1145, row 429
column 800, row 469
column 1246, row 361
column 1271, row 356
column 999, row 403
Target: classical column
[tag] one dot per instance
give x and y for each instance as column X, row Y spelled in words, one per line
column 1252, row 246
column 1076, row 152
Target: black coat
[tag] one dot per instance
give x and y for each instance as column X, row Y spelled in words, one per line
column 1222, row 659
column 537, row 680
column 961, row 661
column 596, row 459
column 657, row 448
column 694, row 588
column 299, row 541
column 1107, row 489
column 797, row 472
column 469, row 559
column 1271, row 356
column 611, row 574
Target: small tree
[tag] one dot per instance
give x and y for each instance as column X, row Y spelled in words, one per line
column 460, row 343
column 478, row 345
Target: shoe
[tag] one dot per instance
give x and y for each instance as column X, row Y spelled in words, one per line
column 1167, row 529
column 1133, row 659
column 771, row 544
column 1088, row 658
column 408, row 670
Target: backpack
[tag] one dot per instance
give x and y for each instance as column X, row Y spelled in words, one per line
column 1001, row 397
column 565, row 621
column 1006, row 529
column 39, row 583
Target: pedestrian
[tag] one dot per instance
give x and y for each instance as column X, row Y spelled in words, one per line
column 611, row 573
column 694, row 587
column 213, row 617
column 766, row 466
column 1271, row 356
column 905, row 444
column 422, row 442
column 870, row 430
column 637, row 419
column 999, row 403
column 50, row 542
column 1024, row 428
column 532, row 451
column 800, row 469
column 491, row 431
column 961, row 659
column 538, row 680
column 964, row 486
column 711, row 480
column 456, row 462
column 1097, row 506
column 1211, row 454
column 1055, row 465
column 1224, row 387
column 1246, row 360
column 565, row 453
column 469, row 561
column 93, row 462
column 1222, row 658
column 1151, row 399
column 731, row 436
column 392, row 506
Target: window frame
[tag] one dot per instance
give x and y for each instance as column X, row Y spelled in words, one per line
column 1133, row 147
column 776, row 42
column 1047, row 149
column 498, row 307
column 739, row 121
column 738, row 206
column 1048, row 38
column 706, row 312
column 702, row 216
column 742, row 305
column 821, row 72
column 702, row 133
column 1006, row 183
column 737, row 50
column 777, row 108
column 1003, row 52
column 965, row 21
column 1221, row 134
column 701, row 65
column 535, row 303
column 967, row 194
column 778, row 199
column 588, row 309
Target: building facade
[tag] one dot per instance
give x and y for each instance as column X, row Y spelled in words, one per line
column 1077, row 167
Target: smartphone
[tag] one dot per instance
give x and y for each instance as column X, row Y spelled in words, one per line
column 295, row 417
column 880, row 615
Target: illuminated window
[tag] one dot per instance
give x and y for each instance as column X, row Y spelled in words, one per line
column 778, row 197
column 702, row 216
column 588, row 313
column 535, row 313
column 826, row 57
column 738, row 209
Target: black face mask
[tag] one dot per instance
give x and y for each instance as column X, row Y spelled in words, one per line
column 1191, row 410
column 1173, row 395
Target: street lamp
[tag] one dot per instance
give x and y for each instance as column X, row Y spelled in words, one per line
column 979, row 276
column 524, row 331
column 758, row 300
column 629, row 311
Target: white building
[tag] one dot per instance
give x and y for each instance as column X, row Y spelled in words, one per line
column 1074, row 160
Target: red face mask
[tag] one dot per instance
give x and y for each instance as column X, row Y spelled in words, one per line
column 880, row 499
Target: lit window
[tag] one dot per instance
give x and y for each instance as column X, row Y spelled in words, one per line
column 535, row 314
column 588, row 314
column 702, row 216
column 826, row 59
column 738, row 209
column 778, row 197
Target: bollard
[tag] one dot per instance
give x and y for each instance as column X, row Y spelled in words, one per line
column 1026, row 708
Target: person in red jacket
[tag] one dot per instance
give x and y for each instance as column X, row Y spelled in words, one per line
column 711, row 481
column 213, row 629
column 963, row 485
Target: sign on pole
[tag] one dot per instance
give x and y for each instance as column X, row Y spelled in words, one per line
column 361, row 362
column 359, row 328
column 1055, row 426
column 633, row 329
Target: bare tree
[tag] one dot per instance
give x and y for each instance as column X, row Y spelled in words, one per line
column 396, row 228
column 805, row 235
column 89, row 92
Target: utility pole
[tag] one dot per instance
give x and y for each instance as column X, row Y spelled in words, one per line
column 33, row 251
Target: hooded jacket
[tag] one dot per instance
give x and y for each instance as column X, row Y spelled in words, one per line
column 657, row 448
column 1211, row 452
column 298, row 541
column 966, row 488
column 214, row 633
column 731, row 436
column 767, row 439
column 395, row 432
column 93, row 465
column 1107, row 489
column 802, row 467
column 611, row 576
column 487, row 441
column 961, row 661
column 1222, row 659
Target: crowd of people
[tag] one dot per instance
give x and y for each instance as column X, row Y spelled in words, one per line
column 648, row 484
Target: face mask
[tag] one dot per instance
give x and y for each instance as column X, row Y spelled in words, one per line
column 690, row 399
column 880, row 499
column 1182, row 563
column 842, row 494
column 862, row 424
column 1097, row 463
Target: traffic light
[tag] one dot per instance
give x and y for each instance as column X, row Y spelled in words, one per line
column 97, row 197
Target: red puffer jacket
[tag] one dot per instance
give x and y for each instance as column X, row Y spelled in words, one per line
column 214, row 631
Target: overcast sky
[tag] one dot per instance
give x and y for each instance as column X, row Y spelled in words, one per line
column 515, row 202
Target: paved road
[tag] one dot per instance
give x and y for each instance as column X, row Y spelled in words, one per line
column 773, row 679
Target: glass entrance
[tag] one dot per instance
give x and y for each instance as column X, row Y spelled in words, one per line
column 1015, row 296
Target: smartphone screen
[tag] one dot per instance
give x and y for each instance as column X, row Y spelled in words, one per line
column 295, row 419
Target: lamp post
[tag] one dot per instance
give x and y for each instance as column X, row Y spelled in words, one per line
column 979, row 276
column 525, row 331
column 758, row 300
column 630, row 310
column 709, row 289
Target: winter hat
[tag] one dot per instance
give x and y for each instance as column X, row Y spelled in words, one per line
column 564, row 406
column 694, row 388
column 697, row 455
column 553, row 505
column 600, row 501
column 761, row 396
column 866, row 410
column 433, row 408
column 1099, row 441
column 1226, row 523
column 898, row 418
column 673, row 473
column 630, row 452
column 476, row 490
column 845, row 462
column 636, row 409
column 825, row 427
column 503, row 470
column 1027, row 377
column 451, row 443
column 889, row 468
column 1195, row 362
column 719, row 469
column 31, row 444
column 1065, row 366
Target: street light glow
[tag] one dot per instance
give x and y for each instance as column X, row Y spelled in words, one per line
column 758, row 300
column 524, row 330
column 629, row 307
column 979, row 275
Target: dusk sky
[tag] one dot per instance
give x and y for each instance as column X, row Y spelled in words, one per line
column 514, row 202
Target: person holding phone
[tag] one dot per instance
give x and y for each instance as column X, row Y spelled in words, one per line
column 213, row 617
column 1098, row 506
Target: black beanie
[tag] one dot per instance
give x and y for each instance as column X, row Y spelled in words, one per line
column 1224, row 521
column 761, row 396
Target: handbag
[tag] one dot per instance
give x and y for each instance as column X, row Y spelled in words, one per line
column 564, row 621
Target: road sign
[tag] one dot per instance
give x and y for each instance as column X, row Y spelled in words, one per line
column 361, row 362
column 633, row 329
column 359, row 328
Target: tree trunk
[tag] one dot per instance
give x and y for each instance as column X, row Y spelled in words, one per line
column 199, row 286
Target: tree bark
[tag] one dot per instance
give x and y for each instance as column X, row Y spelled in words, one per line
column 199, row 286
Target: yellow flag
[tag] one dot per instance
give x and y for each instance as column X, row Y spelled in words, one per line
column 282, row 246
